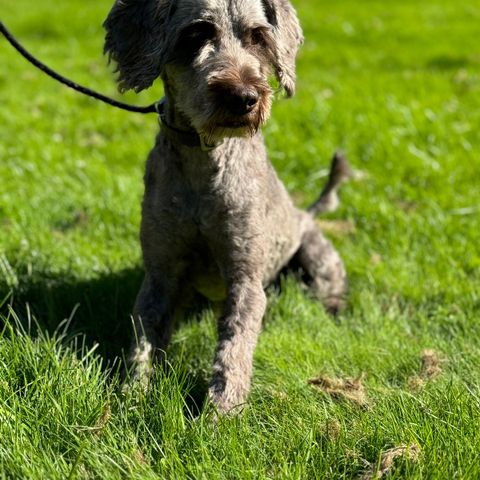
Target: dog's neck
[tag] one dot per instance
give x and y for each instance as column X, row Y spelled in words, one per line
column 179, row 130
column 202, row 169
column 173, row 117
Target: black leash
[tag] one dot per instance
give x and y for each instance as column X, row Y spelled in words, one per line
column 187, row 138
column 156, row 107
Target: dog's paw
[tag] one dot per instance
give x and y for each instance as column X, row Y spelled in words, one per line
column 226, row 402
column 137, row 381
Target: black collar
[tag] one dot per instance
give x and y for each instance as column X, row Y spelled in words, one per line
column 188, row 138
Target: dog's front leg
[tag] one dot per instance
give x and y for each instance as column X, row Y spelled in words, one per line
column 238, row 330
column 153, row 322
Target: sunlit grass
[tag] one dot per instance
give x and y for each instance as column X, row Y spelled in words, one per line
column 396, row 85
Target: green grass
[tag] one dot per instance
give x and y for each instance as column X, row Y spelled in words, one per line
column 394, row 84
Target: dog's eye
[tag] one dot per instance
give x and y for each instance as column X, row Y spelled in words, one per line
column 254, row 36
column 259, row 40
column 195, row 36
column 257, row 36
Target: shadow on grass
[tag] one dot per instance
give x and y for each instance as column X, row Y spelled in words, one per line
column 100, row 310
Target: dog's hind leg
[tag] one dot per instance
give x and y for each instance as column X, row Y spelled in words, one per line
column 322, row 267
column 320, row 263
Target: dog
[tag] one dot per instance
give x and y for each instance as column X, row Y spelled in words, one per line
column 215, row 216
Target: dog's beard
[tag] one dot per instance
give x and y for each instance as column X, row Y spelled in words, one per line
column 215, row 132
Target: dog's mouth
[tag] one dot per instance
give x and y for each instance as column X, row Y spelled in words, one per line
column 223, row 124
column 236, row 123
column 230, row 129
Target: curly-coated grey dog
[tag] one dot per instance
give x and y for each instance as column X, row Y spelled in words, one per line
column 215, row 216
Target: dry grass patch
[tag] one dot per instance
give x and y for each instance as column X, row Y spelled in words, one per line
column 351, row 389
column 429, row 370
column 387, row 461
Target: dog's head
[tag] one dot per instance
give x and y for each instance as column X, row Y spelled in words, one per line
column 215, row 56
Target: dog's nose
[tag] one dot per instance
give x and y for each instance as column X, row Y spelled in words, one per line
column 242, row 100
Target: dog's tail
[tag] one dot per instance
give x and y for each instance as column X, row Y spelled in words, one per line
column 328, row 201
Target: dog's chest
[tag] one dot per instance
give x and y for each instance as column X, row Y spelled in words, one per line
column 199, row 210
column 203, row 198
column 207, row 218
column 204, row 273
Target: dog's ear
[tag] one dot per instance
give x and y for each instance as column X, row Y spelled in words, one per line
column 288, row 37
column 135, row 40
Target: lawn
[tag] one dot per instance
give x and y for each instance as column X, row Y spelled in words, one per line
column 395, row 85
